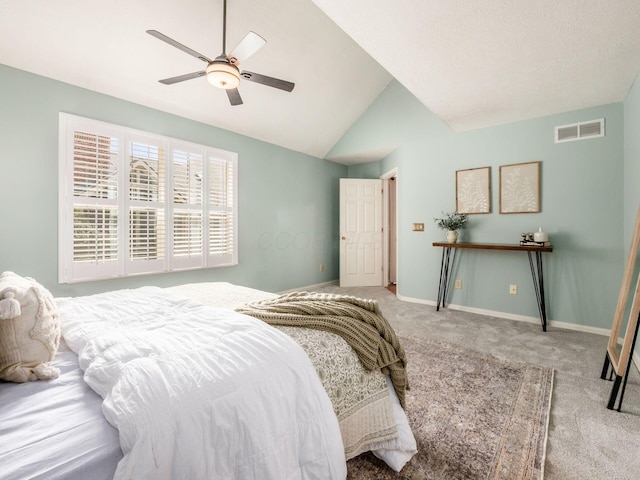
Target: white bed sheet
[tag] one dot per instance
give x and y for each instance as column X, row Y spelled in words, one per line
column 64, row 436
column 202, row 392
column 395, row 452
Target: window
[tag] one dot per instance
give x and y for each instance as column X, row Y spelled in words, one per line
column 135, row 203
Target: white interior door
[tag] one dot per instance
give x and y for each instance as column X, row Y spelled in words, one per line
column 360, row 232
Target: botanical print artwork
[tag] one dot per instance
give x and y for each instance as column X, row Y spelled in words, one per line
column 520, row 188
column 472, row 190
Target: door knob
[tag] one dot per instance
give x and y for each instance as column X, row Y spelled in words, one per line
column 343, row 238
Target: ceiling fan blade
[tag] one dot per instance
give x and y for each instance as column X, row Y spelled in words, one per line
column 234, row 96
column 268, row 81
column 250, row 44
column 182, row 78
column 178, row 45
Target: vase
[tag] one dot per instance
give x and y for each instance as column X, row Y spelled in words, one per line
column 540, row 236
column 452, row 236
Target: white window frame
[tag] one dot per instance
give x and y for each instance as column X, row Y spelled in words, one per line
column 70, row 271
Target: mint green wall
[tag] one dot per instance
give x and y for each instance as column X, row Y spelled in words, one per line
column 582, row 207
column 288, row 201
column 365, row 170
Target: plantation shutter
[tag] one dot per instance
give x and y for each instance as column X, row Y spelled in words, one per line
column 146, row 240
column 131, row 203
column 93, row 219
column 221, row 203
column 188, row 208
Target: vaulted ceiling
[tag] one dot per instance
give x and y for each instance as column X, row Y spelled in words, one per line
column 103, row 46
column 473, row 63
column 478, row 63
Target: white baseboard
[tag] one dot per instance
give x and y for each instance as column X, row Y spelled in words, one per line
column 513, row 316
column 523, row 318
column 492, row 313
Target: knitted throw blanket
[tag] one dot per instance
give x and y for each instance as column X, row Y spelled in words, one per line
column 358, row 321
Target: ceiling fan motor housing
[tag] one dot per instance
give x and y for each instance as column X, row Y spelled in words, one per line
column 222, row 74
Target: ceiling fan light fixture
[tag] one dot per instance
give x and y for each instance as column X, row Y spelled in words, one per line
column 223, row 75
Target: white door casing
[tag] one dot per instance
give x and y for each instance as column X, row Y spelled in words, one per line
column 360, row 232
column 389, row 227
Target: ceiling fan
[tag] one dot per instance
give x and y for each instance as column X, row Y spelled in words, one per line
column 223, row 72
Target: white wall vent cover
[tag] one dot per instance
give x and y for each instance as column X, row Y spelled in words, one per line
column 580, row 131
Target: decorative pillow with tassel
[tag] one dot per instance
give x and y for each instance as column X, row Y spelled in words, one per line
column 29, row 330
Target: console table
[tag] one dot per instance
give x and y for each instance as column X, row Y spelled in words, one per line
column 536, row 268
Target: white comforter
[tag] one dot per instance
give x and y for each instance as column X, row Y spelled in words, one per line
column 201, row 392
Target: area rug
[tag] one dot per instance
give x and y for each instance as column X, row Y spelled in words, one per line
column 474, row 416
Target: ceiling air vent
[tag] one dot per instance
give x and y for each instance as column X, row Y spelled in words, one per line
column 580, row 131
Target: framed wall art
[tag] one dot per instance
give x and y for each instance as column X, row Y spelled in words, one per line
column 520, row 188
column 473, row 190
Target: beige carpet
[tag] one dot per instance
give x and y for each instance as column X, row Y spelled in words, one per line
column 474, row 417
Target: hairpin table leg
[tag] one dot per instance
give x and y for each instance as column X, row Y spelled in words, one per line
column 538, row 286
column 446, row 264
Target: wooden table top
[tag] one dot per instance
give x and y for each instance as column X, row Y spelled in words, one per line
column 495, row 246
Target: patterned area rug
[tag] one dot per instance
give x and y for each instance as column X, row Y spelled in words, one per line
column 474, row 417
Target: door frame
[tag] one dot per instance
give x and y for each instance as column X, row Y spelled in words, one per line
column 386, row 178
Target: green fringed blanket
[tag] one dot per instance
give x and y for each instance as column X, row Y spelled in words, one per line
column 358, row 321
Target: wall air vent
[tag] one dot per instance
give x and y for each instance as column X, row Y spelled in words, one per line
column 580, row 131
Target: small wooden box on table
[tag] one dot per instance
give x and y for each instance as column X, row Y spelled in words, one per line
column 536, row 268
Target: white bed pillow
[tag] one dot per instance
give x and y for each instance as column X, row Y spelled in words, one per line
column 29, row 330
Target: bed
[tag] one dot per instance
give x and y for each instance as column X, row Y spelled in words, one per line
column 189, row 388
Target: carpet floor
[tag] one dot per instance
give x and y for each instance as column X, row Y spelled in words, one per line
column 586, row 440
column 474, row 416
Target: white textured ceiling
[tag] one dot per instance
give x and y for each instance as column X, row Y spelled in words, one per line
column 474, row 63
column 478, row 63
column 102, row 46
